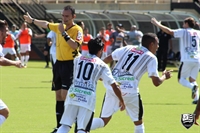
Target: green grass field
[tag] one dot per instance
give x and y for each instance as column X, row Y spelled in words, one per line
column 27, row 92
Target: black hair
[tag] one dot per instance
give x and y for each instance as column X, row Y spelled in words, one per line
column 79, row 23
column 148, row 38
column 3, row 25
column 190, row 21
column 95, row 45
column 70, row 8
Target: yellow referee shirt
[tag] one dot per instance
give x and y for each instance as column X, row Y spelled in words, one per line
column 63, row 51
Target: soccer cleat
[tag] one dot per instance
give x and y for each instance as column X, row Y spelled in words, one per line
column 55, row 130
column 195, row 102
column 194, row 90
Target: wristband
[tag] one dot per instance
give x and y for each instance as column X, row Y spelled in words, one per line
column 67, row 37
column 33, row 21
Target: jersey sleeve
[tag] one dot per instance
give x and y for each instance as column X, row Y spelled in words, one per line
column 178, row 33
column 54, row 27
column 152, row 68
column 50, row 34
column 116, row 55
column 79, row 36
column 30, row 32
column 107, row 76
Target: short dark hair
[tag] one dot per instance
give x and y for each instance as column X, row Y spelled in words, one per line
column 190, row 21
column 3, row 25
column 68, row 7
column 95, row 45
column 79, row 23
column 148, row 38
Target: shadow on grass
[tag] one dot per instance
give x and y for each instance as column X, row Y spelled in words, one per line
column 34, row 87
column 165, row 104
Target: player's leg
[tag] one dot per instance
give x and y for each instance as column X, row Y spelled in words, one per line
column 4, row 112
column 28, row 49
column 83, row 121
column 159, row 57
column 109, row 107
column 68, row 118
column 134, row 109
column 23, row 53
column 46, row 55
column 183, row 74
column 192, row 79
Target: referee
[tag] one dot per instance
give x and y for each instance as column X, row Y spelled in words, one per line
column 69, row 36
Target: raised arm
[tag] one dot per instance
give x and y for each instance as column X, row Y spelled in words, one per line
column 40, row 23
column 162, row 27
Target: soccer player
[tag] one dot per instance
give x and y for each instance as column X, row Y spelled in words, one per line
column 24, row 37
column 14, row 32
column 82, row 93
column 69, row 37
column 9, row 46
column 190, row 53
column 4, row 111
column 131, row 65
column 86, row 39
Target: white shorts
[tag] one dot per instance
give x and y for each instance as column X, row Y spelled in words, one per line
column 188, row 69
column 134, row 107
column 25, row 47
column 84, row 52
column 2, row 105
column 109, row 49
column 75, row 113
column 10, row 51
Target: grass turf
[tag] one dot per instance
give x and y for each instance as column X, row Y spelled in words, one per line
column 27, row 92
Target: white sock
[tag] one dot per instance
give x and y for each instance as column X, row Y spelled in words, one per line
column 2, row 119
column 26, row 59
column 22, row 60
column 16, row 58
column 63, row 129
column 97, row 123
column 196, row 98
column 81, row 131
column 186, row 83
column 139, row 128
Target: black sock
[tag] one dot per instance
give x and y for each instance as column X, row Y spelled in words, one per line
column 59, row 111
column 46, row 57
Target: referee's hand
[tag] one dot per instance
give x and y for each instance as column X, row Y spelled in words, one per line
column 28, row 18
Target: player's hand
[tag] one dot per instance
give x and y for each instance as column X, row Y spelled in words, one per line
column 196, row 118
column 155, row 22
column 61, row 27
column 28, row 18
column 167, row 73
column 18, row 64
column 122, row 106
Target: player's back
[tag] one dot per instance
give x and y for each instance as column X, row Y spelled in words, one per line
column 189, row 44
column 87, row 70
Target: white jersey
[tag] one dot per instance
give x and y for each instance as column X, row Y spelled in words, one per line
column 1, row 51
column 189, row 44
column 132, row 64
column 52, row 36
column 87, row 71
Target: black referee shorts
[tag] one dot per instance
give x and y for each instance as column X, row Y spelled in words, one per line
column 62, row 74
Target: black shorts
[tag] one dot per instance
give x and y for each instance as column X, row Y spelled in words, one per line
column 46, row 47
column 62, row 74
